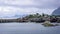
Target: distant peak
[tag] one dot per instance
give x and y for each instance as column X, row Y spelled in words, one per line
column 56, row 12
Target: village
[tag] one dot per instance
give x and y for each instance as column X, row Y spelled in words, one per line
column 34, row 18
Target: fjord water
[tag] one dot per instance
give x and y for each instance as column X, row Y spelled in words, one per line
column 27, row 28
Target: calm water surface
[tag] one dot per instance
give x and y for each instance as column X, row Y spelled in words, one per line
column 27, row 28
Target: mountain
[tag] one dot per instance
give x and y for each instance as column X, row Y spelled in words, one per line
column 56, row 12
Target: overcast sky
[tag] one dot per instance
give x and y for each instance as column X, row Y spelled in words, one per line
column 11, row 8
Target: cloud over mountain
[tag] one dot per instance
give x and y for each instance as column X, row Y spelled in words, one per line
column 10, row 8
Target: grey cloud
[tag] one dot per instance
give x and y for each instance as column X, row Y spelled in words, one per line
column 36, row 3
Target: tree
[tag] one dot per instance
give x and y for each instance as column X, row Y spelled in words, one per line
column 37, row 14
column 30, row 16
column 43, row 14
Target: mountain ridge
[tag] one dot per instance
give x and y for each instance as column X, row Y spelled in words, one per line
column 56, row 12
